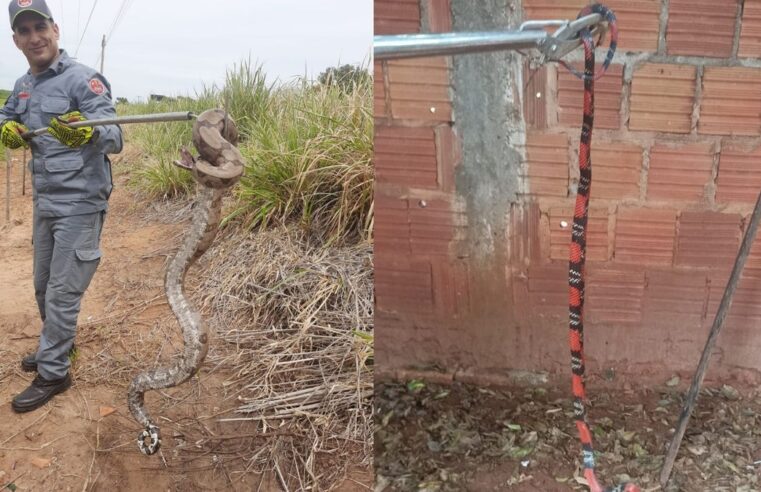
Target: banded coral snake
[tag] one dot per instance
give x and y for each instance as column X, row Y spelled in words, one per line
column 579, row 242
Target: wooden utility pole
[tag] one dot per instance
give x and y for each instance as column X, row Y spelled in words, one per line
column 102, row 53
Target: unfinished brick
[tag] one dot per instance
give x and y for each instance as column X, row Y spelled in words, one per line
column 750, row 33
column 396, row 16
column 679, row 173
column 616, row 169
column 662, row 98
column 708, row 239
column 439, row 15
column 731, row 103
column 675, row 298
column 551, row 9
column 607, row 97
column 448, row 155
column 379, row 92
column 535, row 97
column 524, row 233
column 403, row 284
column 614, row 296
column 451, row 287
column 739, row 178
column 560, row 234
column 638, row 24
column 419, row 89
column 433, row 225
column 391, row 227
column 645, row 236
column 701, row 27
column 745, row 312
column 547, row 156
column 406, row 156
column 548, row 292
column 753, row 263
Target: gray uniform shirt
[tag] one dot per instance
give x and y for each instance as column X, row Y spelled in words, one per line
column 66, row 181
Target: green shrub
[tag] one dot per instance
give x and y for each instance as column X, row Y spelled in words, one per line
column 308, row 152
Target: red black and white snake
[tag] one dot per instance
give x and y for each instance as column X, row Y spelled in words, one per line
column 579, row 243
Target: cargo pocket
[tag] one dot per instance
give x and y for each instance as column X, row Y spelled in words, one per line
column 65, row 178
column 83, row 269
column 54, row 106
column 21, row 106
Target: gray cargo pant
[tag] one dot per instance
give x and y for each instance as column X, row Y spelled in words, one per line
column 66, row 255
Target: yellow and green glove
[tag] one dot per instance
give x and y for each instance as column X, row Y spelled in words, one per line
column 71, row 137
column 10, row 135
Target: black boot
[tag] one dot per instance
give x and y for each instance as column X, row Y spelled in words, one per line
column 39, row 392
column 29, row 364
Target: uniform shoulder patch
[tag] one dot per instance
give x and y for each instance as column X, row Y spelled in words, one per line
column 23, row 95
column 97, row 86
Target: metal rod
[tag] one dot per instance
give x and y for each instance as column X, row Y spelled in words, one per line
column 142, row 118
column 718, row 322
column 7, row 186
column 413, row 45
column 530, row 34
column 23, row 174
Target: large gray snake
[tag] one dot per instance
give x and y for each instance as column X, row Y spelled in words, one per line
column 218, row 167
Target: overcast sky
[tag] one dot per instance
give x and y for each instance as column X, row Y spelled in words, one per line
column 174, row 47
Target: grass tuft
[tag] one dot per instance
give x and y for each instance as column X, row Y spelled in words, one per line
column 308, row 151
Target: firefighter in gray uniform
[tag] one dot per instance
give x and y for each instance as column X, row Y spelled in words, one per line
column 72, row 183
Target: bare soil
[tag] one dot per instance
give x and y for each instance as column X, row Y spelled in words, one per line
column 85, row 439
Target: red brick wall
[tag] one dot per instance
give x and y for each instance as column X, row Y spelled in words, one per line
column 418, row 279
column 676, row 169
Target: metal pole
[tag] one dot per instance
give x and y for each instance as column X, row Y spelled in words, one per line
column 530, row 34
column 23, row 174
column 718, row 322
column 7, row 186
column 143, row 118
column 412, row 45
column 102, row 53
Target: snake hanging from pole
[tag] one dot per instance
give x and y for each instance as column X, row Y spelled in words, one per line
column 218, row 167
column 579, row 243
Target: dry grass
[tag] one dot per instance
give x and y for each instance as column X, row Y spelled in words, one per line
column 285, row 394
column 295, row 322
column 7, row 363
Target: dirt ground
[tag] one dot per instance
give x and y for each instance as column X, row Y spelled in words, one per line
column 85, row 439
column 432, row 437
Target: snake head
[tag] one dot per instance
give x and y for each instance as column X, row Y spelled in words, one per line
column 187, row 161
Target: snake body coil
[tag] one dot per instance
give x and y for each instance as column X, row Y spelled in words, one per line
column 219, row 166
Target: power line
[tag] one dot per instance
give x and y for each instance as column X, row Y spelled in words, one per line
column 120, row 15
column 60, row 23
column 126, row 4
column 79, row 16
column 116, row 18
column 86, row 25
